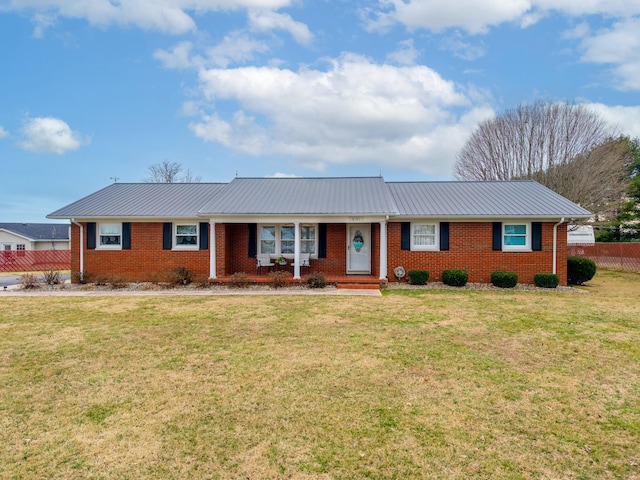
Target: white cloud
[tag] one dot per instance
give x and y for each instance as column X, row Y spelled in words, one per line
column 619, row 47
column 627, row 119
column 3, row 132
column 477, row 17
column 354, row 112
column 406, row 54
column 49, row 135
column 179, row 57
column 168, row 16
column 268, row 20
column 461, row 49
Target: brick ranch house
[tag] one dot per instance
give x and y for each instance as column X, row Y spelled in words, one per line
column 346, row 227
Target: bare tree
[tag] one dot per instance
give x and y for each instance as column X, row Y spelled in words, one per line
column 168, row 172
column 528, row 140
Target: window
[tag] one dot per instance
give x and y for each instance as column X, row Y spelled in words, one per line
column 110, row 235
column 186, row 235
column 424, row 236
column 21, row 247
column 516, row 236
column 281, row 240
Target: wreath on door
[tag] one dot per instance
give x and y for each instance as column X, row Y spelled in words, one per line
column 358, row 241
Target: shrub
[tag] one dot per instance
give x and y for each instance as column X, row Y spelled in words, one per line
column 279, row 278
column 418, row 277
column 51, row 277
column 504, row 279
column 82, row 278
column 201, row 281
column 180, row 276
column 316, row 280
column 29, row 281
column 455, row 278
column 546, row 280
column 239, row 280
column 580, row 270
column 116, row 282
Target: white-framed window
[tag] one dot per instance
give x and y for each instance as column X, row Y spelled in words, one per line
column 280, row 240
column 110, row 235
column 516, row 236
column 424, row 236
column 185, row 236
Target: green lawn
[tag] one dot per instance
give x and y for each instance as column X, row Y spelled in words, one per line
column 413, row 384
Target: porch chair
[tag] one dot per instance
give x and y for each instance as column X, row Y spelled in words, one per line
column 305, row 261
column 263, row 261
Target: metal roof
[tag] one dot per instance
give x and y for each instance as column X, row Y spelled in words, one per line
column 38, row 231
column 303, row 196
column 525, row 198
column 324, row 196
column 143, row 200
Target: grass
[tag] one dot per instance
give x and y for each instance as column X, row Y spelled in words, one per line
column 413, row 384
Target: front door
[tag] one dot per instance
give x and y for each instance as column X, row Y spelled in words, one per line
column 359, row 248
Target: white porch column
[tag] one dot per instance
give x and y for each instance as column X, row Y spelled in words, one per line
column 212, row 249
column 383, row 250
column 296, row 252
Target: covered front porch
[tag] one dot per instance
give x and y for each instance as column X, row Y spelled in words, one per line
column 345, row 250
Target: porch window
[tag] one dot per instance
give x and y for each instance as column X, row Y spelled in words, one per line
column 186, row 235
column 424, row 236
column 280, row 239
column 516, row 236
column 110, row 235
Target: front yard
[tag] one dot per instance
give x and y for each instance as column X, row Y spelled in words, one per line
column 413, row 384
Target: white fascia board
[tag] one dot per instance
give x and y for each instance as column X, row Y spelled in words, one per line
column 364, row 218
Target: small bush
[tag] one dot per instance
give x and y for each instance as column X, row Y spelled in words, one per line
column 504, row 279
column 116, row 282
column 546, row 280
column 418, row 277
column 316, row 280
column 51, row 277
column 279, row 278
column 455, row 278
column 29, row 281
column 101, row 280
column 180, row 276
column 201, row 281
column 82, row 278
column 580, row 270
column 239, row 280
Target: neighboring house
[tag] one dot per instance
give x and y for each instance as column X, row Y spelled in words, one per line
column 580, row 235
column 355, row 227
column 34, row 236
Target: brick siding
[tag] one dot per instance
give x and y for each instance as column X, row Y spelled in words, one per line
column 470, row 249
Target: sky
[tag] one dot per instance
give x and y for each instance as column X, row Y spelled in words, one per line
column 97, row 91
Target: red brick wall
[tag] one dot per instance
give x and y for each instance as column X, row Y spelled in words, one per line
column 144, row 261
column 470, row 248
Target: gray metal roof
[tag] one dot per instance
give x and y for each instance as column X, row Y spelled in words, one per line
column 142, row 200
column 482, row 199
column 38, row 231
column 324, row 196
column 303, row 196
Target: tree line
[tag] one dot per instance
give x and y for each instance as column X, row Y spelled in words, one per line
column 571, row 150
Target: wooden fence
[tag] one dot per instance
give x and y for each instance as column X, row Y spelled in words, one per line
column 34, row 260
column 616, row 256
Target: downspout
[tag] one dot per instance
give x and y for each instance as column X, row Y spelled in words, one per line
column 555, row 244
column 73, row 220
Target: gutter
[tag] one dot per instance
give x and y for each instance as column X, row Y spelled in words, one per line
column 555, row 244
column 73, row 220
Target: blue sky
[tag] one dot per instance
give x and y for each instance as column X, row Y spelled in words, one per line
column 92, row 90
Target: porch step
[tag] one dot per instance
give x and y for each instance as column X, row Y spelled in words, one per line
column 359, row 286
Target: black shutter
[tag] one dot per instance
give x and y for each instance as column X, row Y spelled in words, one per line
column 204, row 235
column 322, row 240
column 444, row 235
column 497, row 235
column 126, row 235
column 91, row 235
column 405, row 236
column 253, row 240
column 167, row 233
column 536, row 236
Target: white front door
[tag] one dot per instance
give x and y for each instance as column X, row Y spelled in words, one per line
column 359, row 248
